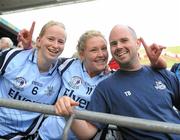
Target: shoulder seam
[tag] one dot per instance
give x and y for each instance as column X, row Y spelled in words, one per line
column 62, row 68
column 12, row 53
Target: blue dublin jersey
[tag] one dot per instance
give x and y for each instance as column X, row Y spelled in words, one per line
column 78, row 85
column 176, row 69
column 21, row 79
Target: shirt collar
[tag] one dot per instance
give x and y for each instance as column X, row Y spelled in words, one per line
column 99, row 75
column 34, row 56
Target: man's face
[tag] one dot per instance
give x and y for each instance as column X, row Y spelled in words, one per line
column 124, row 46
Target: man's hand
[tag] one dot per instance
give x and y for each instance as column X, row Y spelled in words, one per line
column 153, row 52
column 25, row 37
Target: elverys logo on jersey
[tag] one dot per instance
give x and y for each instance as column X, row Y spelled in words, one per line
column 20, row 82
column 75, row 82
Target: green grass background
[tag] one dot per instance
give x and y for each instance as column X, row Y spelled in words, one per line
column 170, row 61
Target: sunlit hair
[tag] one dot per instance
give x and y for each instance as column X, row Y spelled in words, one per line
column 50, row 24
column 86, row 36
column 75, row 55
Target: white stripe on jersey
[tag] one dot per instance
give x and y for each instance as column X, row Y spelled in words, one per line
column 37, row 125
column 8, row 55
column 65, row 63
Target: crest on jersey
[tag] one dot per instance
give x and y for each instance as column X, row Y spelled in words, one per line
column 75, row 82
column 159, row 85
column 49, row 91
column 20, row 82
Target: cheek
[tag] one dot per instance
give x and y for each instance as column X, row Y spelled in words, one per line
column 89, row 57
column 61, row 48
column 42, row 44
column 88, row 60
column 112, row 50
column 106, row 54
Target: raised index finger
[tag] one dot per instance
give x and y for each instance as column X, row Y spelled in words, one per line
column 144, row 43
column 32, row 28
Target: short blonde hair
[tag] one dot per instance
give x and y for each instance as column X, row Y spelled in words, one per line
column 87, row 35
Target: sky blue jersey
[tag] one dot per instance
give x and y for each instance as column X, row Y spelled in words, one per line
column 78, row 85
column 176, row 69
column 21, row 79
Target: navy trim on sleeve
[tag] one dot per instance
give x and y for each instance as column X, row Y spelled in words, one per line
column 6, row 58
column 174, row 67
column 65, row 64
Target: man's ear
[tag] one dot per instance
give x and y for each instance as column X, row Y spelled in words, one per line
column 138, row 43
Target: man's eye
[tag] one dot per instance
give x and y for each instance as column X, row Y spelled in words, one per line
column 124, row 40
column 113, row 43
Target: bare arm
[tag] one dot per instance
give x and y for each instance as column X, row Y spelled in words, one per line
column 153, row 52
column 83, row 129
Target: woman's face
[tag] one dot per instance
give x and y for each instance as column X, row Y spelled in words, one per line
column 95, row 55
column 51, row 44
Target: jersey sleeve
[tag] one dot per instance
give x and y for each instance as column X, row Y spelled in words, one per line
column 6, row 56
column 2, row 58
column 174, row 85
column 174, row 67
column 176, row 100
column 64, row 64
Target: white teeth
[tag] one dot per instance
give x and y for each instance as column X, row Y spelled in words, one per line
column 100, row 61
column 120, row 53
column 54, row 50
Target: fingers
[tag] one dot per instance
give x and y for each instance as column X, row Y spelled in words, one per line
column 148, row 50
column 25, row 37
column 25, row 34
column 152, row 47
column 20, row 35
column 162, row 47
column 32, row 28
column 64, row 106
column 143, row 43
column 157, row 48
